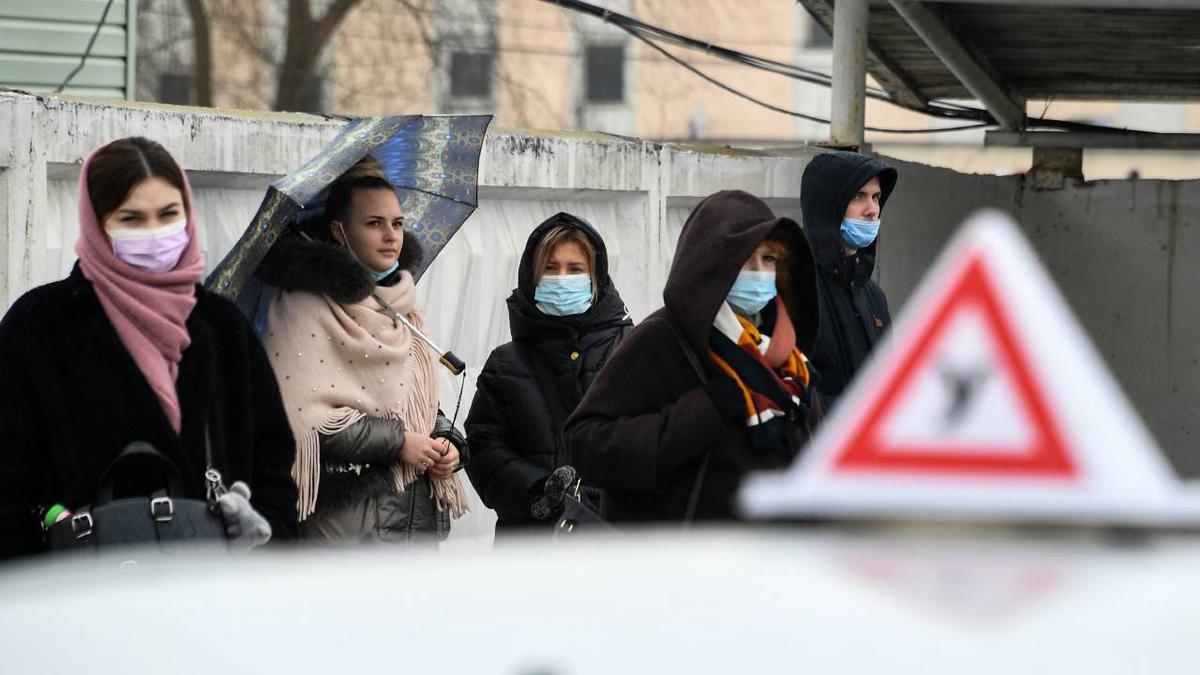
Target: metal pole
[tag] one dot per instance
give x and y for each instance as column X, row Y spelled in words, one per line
column 974, row 76
column 849, row 105
column 454, row 364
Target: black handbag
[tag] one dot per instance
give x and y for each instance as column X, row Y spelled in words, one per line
column 164, row 518
column 576, row 513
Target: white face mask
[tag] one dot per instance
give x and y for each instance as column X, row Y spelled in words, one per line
column 153, row 249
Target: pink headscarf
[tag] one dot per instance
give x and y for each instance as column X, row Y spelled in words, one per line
column 149, row 311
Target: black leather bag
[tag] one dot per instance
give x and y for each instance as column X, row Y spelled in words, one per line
column 164, row 518
column 578, row 514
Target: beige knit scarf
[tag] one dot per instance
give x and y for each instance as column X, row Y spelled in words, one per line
column 339, row 363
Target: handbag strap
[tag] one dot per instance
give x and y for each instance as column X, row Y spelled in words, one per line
column 133, row 452
column 688, row 353
column 214, row 483
column 694, row 361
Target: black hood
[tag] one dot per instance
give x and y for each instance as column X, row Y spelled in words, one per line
column 316, row 264
column 830, row 181
column 527, row 322
column 718, row 237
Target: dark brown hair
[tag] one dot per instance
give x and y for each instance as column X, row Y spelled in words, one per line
column 367, row 174
column 119, row 166
column 782, row 242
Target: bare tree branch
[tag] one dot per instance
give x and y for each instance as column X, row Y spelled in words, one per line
column 202, row 65
column 332, row 19
column 306, row 39
column 428, row 33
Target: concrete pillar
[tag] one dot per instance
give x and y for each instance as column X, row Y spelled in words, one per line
column 849, row 105
column 1053, row 166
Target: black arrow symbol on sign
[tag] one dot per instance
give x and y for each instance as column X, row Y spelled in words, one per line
column 963, row 385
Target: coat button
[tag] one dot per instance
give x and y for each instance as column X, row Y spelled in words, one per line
column 574, row 355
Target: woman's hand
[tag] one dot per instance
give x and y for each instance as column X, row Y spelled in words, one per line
column 420, row 451
column 448, row 462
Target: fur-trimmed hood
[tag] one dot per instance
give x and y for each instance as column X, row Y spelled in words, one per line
column 297, row 263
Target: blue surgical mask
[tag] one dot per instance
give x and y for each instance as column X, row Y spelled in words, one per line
column 380, row 276
column 859, row 233
column 564, row 294
column 752, row 291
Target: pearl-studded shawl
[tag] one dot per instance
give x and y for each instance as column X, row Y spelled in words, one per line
column 339, row 363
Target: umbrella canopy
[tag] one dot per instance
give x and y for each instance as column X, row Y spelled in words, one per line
column 433, row 161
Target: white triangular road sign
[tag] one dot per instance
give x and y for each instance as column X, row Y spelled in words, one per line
column 986, row 401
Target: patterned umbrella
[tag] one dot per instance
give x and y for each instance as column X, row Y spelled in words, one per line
column 432, row 160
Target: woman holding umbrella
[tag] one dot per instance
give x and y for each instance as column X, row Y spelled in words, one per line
column 375, row 459
column 128, row 348
column 566, row 319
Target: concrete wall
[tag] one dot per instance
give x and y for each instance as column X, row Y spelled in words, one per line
column 1120, row 250
column 1124, row 254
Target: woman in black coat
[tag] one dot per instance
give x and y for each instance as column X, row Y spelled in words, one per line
column 566, row 319
column 129, row 348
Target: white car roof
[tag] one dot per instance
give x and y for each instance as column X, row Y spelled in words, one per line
column 716, row 601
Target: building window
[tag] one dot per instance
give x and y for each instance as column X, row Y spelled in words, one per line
column 175, row 88
column 471, row 75
column 605, row 67
column 817, row 37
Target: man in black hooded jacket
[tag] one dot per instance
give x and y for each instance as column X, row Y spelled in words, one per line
column 842, row 195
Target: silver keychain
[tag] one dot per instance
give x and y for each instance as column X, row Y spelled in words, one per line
column 216, row 486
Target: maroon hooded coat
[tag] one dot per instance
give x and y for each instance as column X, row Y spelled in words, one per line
column 647, row 422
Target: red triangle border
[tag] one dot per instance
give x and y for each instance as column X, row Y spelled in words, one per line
column 1046, row 457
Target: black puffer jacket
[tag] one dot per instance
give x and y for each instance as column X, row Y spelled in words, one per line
column 510, row 429
column 854, row 310
column 357, row 502
column 71, row 398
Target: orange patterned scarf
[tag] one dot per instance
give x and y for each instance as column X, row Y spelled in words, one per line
column 773, row 395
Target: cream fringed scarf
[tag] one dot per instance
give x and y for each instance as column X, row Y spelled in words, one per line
column 339, row 363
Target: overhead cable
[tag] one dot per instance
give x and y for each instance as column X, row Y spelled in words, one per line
column 651, row 35
column 88, row 50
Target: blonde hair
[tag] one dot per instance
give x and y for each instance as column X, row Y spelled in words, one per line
column 555, row 238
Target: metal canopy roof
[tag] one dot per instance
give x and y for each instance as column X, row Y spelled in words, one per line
column 1031, row 49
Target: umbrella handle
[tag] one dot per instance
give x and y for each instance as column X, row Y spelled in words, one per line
column 454, row 364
